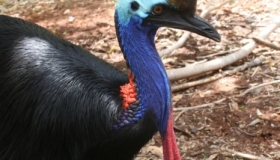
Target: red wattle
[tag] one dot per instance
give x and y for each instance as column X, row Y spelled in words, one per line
column 170, row 149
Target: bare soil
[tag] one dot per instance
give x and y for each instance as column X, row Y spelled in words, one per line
column 230, row 125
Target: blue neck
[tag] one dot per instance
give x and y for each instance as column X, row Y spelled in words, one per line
column 137, row 44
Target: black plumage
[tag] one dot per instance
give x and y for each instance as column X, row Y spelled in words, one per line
column 55, row 100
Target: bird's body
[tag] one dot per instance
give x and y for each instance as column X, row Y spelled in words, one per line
column 50, row 85
column 60, row 102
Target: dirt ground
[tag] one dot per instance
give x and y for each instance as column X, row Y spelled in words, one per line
column 249, row 124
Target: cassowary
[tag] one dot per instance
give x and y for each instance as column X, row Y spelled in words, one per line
column 60, row 102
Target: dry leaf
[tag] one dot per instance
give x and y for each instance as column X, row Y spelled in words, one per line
column 157, row 151
column 234, row 105
column 269, row 116
column 177, row 97
column 213, row 156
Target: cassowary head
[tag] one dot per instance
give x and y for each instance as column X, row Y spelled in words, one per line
column 178, row 14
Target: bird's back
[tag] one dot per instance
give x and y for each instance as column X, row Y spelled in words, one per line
column 58, row 101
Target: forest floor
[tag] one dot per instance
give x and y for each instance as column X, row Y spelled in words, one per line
column 249, row 124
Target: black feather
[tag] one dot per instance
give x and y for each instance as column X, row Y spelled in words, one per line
column 59, row 102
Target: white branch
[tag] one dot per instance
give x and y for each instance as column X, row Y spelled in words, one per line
column 253, row 63
column 191, row 70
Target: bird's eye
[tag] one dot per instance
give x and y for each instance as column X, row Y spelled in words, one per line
column 158, row 9
column 134, row 6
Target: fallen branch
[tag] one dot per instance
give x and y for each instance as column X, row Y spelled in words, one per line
column 258, row 86
column 196, row 83
column 186, row 35
column 179, row 115
column 253, row 63
column 240, row 154
column 266, row 43
column 218, row 54
column 191, row 70
column 206, row 11
column 249, row 134
column 178, row 44
column 200, row 106
column 272, row 52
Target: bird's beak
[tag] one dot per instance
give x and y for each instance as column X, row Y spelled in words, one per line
column 181, row 20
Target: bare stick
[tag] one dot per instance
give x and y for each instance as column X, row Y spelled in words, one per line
column 191, row 70
column 218, row 54
column 240, row 154
column 258, row 86
column 253, row 63
column 272, row 52
column 200, row 106
column 186, row 35
column 186, row 132
column 178, row 44
column 266, row 43
column 196, row 83
column 205, row 12
column 250, row 134
column 179, row 115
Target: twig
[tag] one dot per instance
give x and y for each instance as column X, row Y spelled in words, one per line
column 205, row 12
column 183, row 131
column 258, row 86
column 244, row 24
column 256, row 70
column 196, row 153
column 253, row 63
column 200, row 106
column 180, row 87
column 265, row 43
column 266, row 75
column 272, row 52
column 249, row 134
column 218, row 54
column 240, row 154
column 178, row 44
column 191, row 70
column 186, row 35
column 179, row 115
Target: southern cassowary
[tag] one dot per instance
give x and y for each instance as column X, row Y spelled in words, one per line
column 60, row 102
